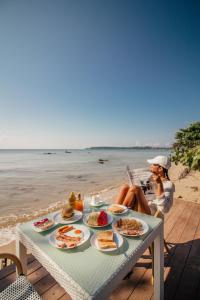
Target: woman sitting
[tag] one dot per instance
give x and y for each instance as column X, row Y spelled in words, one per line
column 134, row 198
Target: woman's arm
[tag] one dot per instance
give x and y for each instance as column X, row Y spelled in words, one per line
column 159, row 187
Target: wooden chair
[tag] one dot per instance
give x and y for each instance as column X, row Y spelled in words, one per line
column 20, row 288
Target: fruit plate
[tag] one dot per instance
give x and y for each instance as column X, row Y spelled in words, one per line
column 125, row 209
column 145, row 227
column 85, row 221
column 60, row 220
column 118, row 239
column 84, row 235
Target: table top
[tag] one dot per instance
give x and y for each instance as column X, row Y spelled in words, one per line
column 89, row 268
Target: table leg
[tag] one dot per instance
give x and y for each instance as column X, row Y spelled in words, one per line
column 21, row 253
column 158, row 266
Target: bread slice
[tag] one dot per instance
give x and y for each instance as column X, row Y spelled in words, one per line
column 105, row 236
column 106, row 245
column 116, row 209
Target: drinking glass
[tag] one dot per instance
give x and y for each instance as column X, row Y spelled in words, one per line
column 86, row 203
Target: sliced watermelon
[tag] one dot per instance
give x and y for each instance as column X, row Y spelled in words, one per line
column 102, row 218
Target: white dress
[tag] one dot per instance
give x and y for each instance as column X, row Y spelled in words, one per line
column 163, row 202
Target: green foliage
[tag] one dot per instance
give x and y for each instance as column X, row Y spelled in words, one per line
column 186, row 148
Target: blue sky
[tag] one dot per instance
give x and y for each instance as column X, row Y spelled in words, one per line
column 79, row 73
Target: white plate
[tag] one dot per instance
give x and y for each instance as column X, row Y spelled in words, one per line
column 59, row 219
column 121, row 206
column 84, row 229
column 145, row 227
column 37, row 229
column 85, row 218
column 118, row 239
column 98, row 204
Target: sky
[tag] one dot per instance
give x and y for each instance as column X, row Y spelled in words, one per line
column 75, row 74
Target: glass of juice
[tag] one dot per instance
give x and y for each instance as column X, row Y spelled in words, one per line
column 79, row 205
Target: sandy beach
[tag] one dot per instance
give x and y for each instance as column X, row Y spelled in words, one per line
column 187, row 185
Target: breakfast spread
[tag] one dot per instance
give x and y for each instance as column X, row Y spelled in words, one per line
column 43, row 224
column 106, row 239
column 130, row 227
column 116, row 209
column 68, row 237
column 98, row 218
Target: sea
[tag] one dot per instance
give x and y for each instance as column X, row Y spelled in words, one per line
column 34, row 182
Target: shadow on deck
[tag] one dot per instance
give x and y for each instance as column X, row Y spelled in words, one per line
column 182, row 265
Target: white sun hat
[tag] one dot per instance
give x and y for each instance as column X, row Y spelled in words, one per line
column 160, row 160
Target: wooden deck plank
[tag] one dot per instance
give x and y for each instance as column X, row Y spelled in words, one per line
column 37, row 275
column 54, row 293
column 173, row 218
column 33, row 266
column 188, row 288
column 126, row 287
column 44, row 284
column 65, row 297
column 181, row 252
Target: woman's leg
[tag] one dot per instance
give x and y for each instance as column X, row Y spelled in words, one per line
column 130, row 198
column 142, row 202
column 136, row 200
column 122, row 193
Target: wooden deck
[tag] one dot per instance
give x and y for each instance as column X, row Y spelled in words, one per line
column 182, row 266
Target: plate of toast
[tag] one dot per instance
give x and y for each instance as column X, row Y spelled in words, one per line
column 117, row 209
column 106, row 241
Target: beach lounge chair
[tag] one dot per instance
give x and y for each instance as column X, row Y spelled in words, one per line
column 20, row 289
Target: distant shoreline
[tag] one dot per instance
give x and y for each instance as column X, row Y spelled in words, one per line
column 91, row 148
column 129, row 148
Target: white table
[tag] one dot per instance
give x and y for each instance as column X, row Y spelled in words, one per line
column 86, row 273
